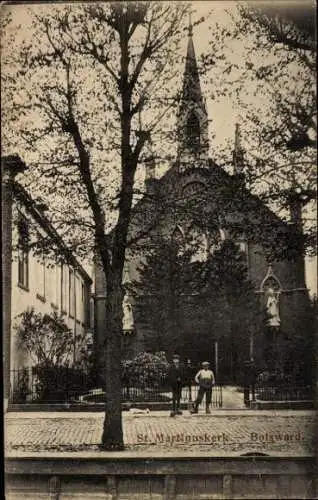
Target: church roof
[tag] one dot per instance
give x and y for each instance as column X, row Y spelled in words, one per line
column 216, row 178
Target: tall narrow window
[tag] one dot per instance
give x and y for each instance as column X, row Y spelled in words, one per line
column 62, row 288
column 197, row 244
column 41, row 271
column 23, row 252
column 71, row 288
column 56, row 274
column 193, row 131
column 78, row 302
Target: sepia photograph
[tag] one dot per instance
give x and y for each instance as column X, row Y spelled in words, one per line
column 159, row 250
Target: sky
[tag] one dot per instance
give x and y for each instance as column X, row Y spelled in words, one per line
column 223, row 112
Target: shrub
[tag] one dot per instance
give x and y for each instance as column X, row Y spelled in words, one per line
column 50, row 344
column 45, row 337
column 145, row 370
column 60, row 383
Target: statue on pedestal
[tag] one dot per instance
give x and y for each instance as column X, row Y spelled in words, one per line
column 272, row 306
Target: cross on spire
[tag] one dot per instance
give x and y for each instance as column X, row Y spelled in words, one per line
column 190, row 28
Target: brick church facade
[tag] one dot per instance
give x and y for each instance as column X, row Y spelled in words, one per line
column 197, row 200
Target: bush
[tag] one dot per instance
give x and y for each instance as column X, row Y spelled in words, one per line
column 60, row 383
column 45, row 337
column 145, row 370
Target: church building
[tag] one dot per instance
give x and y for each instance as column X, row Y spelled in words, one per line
column 188, row 217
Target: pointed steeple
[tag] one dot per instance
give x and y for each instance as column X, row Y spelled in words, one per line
column 192, row 116
column 191, row 82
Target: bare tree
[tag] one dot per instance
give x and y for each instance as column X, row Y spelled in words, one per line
column 275, row 93
column 85, row 94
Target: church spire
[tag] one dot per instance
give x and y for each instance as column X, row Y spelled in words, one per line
column 191, row 90
column 192, row 116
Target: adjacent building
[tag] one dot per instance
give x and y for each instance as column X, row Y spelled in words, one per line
column 38, row 270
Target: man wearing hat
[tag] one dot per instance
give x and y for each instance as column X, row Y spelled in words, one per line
column 175, row 376
column 205, row 379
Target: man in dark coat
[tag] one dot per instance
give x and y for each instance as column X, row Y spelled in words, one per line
column 176, row 381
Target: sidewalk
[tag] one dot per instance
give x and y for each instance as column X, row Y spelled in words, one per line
column 238, row 432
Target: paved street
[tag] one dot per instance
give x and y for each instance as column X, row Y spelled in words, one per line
column 238, row 431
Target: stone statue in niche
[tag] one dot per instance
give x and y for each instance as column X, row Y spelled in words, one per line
column 128, row 320
column 272, row 306
column 272, row 288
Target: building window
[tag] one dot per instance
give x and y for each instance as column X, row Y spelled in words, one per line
column 23, row 252
column 193, row 131
column 71, row 290
column 90, row 313
column 177, row 237
column 40, row 285
column 242, row 246
column 64, row 288
column 56, row 273
column 193, row 190
column 198, row 245
column 216, row 239
column 78, row 309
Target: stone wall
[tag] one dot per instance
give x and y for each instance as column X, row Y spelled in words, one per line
column 106, row 476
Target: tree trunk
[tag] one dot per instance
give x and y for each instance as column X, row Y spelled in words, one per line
column 112, row 438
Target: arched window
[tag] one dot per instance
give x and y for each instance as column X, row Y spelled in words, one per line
column 216, row 238
column 242, row 245
column 197, row 243
column 270, row 281
column 193, row 189
column 177, row 236
column 193, row 131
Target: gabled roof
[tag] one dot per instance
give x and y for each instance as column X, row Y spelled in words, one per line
column 220, row 178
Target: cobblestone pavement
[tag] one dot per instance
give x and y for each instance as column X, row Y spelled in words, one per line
column 222, row 432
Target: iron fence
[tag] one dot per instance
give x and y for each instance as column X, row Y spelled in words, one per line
column 29, row 385
column 284, row 392
column 48, row 385
column 164, row 394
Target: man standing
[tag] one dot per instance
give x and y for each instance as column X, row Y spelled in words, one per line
column 205, row 379
column 175, row 377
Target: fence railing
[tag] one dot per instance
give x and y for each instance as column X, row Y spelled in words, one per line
column 30, row 385
column 164, row 394
column 284, row 392
column 27, row 386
